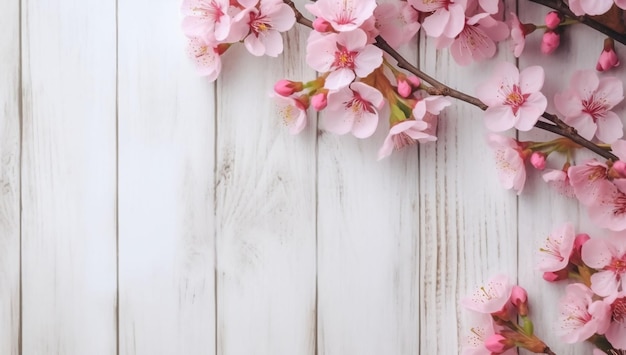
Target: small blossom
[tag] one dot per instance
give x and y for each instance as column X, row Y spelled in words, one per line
column 265, row 24
column 587, row 105
column 403, row 134
column 580, row 317
column 491, row 297
column 397, row 22
column 608, row 58
column 559, row 180
column 346, row 15
column 538, row 160
column 519, row 31
column 609, row 210
column 447, row 18
column 556, row 249
column 514, row 98
column 206, row 58
column 509, row 162
column 616, row 332
column 550, row 42
column 353, row 109
column 292, row 112
column 608, row 256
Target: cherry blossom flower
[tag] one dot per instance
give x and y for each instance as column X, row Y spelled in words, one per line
column 476, row 42
column 519, row 31
column 509, row 162
column 608, row 256
column 491, row 297
column 480, row 330
column 616, row 332
column 559, row 180
column 590, row 7
column 587, row 105
column 586, row 180
column 580, row 316
column 345, row 15
column 513, row 98
column 397, row 22
column 403, row 134
column 345, row 54
column 291, row 111
column 608, row 58
column 447, row 18
column 265, row 23
column 557, row 247
column 609, row 210
column 353, row 109
column 208, row 19
column 206, row 58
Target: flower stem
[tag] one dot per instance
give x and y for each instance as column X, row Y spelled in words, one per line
column 438, row 88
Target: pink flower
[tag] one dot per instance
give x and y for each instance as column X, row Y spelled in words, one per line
column 292, row 112
column 482, row 328
column 513, row 98
column 608, row 58
column 590, row 7
column 476, row 43
column 616, row 331
column 519, row 31
column 550, row 42
column 353, row 109
column 587, row 105
column 609, row 211
column 586, row 180
column 538, row 160
column 397, row 22
column 448, row 16
column 553, row 19
column 559, row 180
column 206, row 18
column 319, row 101
column 509, row 162
column 403, row 134
column 346, row 55
column 285, row 87
column 205, row 57
column 608, row 256
column 556, row 249
column 498, row 344
column 265, row 24
column 580, row 317
column 346, row 15
column 491, row 297
column 430, row 105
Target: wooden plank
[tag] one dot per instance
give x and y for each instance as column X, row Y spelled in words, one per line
column 68, row 177
column 546, row 208
column 368, row 238
column 10, row 177
column 166, row 162
column 265, row 193
column 468, row 222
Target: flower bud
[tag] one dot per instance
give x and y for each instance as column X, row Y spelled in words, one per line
column 576, row 256
column 538, row 160
column 415, row 81
column 498, row 344
column 318, row 101
column 608, row 58
column 555, row 276
column 619, row 167
column 321, row 25
column 404, row 89
column 286, row 87
column 550, row 42
column 553, row 19
column 519, row 298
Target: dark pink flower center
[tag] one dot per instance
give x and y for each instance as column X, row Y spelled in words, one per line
column 358, row 105
column 619, row 204
column 259, row 23
column 402, row 140
column 617, row 265
column 618, row 310
column 515, row 98
column 594, row 107
column 210, row 9
column 344, row 58
column 345, row 17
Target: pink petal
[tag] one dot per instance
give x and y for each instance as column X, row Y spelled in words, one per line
column 282, row 17
column 611, row 91
column 338, row 124
column 610, row 127
column 596, row 7
column 596, row 253
column 619, row 149
column 369, row 93
column 254, row 45
column 616, row 334
column 386, row 149
column 568, row 103
column 585, row 83
column 530, row 112
column 320, row 52
column 435, row 24
column 584, row 125
column 365, row 125
column 456, row 21
column 491, row 6
column 604, row 283
column 353, row 40
column 273, row 42
column 531, row 79
column 370, row 58
column 499, row 118
column 339, row 79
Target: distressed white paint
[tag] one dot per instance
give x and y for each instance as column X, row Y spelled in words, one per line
column 166, row 230
column 68, row 177
column 9, row 177
column 235, row 237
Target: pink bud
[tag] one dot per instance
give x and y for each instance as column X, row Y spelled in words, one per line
column 286, row 87
column 576, row 256
column 550, row 42
column 518, row 295
column 620, row 168
column 415, row 81
column 321, row 25
column 555, row 276
column 553, row 19
column 318, row 101
column 497, row 344
column 404, row 89
column 538, row 160
column 608, row 58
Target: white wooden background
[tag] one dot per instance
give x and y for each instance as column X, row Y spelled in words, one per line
column 146, row 211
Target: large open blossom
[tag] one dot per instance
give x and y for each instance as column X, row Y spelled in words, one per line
column 265, row 22
column 513, row 98
column 404, row 134
column 346, row 55
column 208, row 19
column 557, row 247
column 509, row 162
column 586, row 179
column 353, row 109
column 489, row 298
column 292, row 112
column 447, row 18
column 206, row 58
column 580, row 316
column 477, row 40
column 397, row 22
column 587, row 105
column 345, row 15
column 608, row 256
column 616, row 332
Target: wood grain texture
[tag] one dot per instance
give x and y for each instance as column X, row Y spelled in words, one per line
column 468, row 223
column 9, row 177
column 541, row 204
column 368, row 238
column 265, row 200
column 166, row 229
column 68, row 177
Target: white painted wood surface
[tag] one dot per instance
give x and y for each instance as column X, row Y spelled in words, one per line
column 146, row 211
